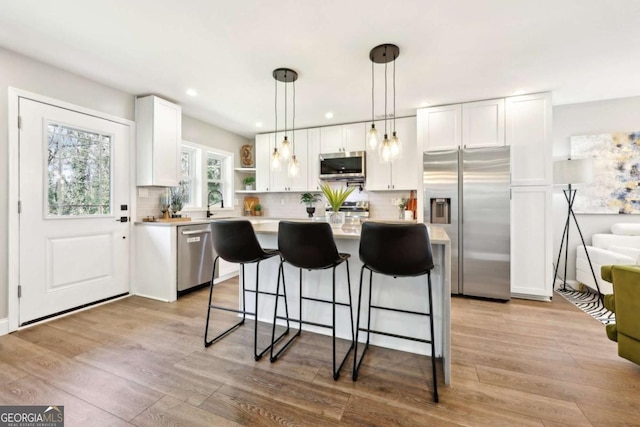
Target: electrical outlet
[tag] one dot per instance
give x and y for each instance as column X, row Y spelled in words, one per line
column 236, row 202
column 282, row 201
column 393, row 201
column 143, row 192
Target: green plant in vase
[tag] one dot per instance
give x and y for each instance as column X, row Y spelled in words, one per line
column 249, row 183
column 178, row 196
column 258, row 209
column 335, row 197
column 310, row 199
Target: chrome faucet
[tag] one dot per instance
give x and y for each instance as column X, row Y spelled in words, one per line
column 209, row 214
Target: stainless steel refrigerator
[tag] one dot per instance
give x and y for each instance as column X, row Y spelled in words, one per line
column 467, row 192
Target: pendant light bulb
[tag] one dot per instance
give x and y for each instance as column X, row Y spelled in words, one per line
column 396, row 146
column 372, row 137
column 294, row 167
column 285, row 148
column 385, row 150
column 275, row 159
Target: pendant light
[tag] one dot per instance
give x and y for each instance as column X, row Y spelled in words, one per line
column 287, row 148
column 388, row 149
column 372, row 135
column 294, row 166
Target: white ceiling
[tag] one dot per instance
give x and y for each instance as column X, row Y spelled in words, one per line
column 450, row 51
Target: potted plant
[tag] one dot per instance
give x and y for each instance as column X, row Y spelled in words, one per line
column 177, row 197
column 309, row 199
column 249, row 183
column 335, row 198
column 258, row 209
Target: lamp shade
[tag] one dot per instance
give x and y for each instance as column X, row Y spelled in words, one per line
column 576, row 171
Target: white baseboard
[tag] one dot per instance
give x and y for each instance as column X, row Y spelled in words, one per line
column 531, row 297
column 4, row 326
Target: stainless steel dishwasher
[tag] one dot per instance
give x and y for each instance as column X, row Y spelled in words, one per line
column 195, row 256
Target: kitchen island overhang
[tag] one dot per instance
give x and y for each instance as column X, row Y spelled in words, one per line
column 409, row 293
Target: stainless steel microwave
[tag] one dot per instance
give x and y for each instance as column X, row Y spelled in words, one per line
column 346, row 165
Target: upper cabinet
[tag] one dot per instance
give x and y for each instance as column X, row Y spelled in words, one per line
column 470, row 125
column 334, row 139
column 263, row 148
column 273, row 179
column 158, row 139
column 401, row 173
column 313, row 159
column 439, row 128
column 483, row 124
column 528, row 132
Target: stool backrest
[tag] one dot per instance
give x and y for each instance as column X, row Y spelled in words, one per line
column 396, row 249
column 235, row 241
column 307, row 244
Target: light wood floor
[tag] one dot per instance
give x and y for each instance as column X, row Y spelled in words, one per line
column 142, row 362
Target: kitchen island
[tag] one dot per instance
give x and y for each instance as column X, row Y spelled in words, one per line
column 409, row 293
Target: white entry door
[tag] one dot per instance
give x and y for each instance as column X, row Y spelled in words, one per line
column 74, row 190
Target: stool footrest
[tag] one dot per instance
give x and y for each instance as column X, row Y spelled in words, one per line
column 398, row 310
column 389, row 334
column 325, row 300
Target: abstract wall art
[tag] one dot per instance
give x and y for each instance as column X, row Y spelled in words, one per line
column 616, row 166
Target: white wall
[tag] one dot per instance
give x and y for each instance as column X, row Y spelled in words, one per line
column 33, row 76
column 27, row 74
column 615, row 115
column 194, row 130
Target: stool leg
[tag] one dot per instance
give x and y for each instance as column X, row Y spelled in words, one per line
column 274, row 357
column 256, row 356
column 356, row 363
column 336, row 373
column 433, row 344
column 207, row 342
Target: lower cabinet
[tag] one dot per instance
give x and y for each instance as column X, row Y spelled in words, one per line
column 156, row 274
column 531, row 244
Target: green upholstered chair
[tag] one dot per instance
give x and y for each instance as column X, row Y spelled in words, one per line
column 625, row 303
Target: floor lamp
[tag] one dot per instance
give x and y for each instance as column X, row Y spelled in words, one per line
column 571, row 172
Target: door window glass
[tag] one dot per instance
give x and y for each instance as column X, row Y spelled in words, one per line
column 79, row 172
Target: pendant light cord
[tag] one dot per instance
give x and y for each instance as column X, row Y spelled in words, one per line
column 276, row 109
column 373, row 85
column 385, row 94
column 293, row 130
column 285, row 104
column 394, row 93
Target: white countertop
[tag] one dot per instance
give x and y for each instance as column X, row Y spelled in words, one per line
column 436, row 234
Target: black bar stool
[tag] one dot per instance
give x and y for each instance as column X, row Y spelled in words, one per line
column 310, row 246
column 235, row 241
column 398, row 250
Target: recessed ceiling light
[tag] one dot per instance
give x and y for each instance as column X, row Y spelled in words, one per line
column 329, row 115
column 192, row 92
column 258, row 124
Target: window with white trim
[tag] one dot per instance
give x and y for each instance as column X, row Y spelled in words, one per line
column 188, row 162
column 208, row 173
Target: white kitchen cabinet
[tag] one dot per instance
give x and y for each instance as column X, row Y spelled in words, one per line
column 313, row 159
column 483, row 124
column 531, row 245
column 280, row 179
column 401, row 173
column 158, row 139
column 529, row 133
column 334, row 139
column 263, row 150
column 440, row 128
column 156, row 274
